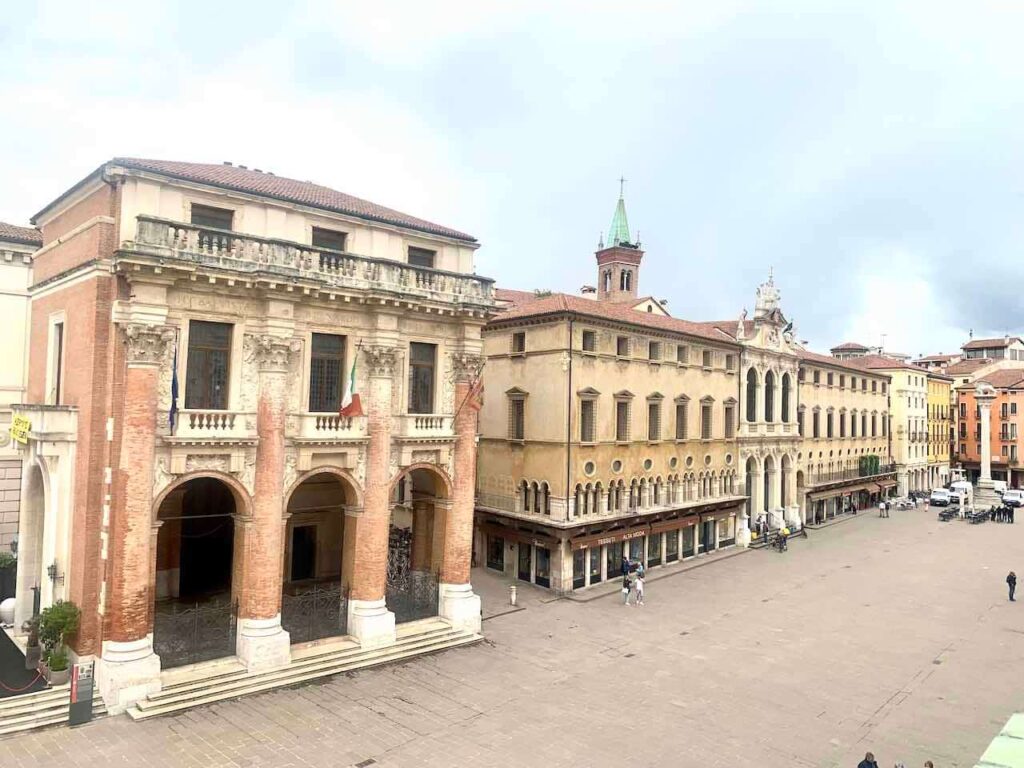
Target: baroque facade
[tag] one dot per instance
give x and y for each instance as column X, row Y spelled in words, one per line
column 193, row 328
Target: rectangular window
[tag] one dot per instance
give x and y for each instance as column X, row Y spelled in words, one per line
column 730, row 422
column 654, row 421
column 622, row 346
column 1013, row 452
column 422, row 363
column 586, row 421
column 863, row 385
column 654, row 350
column 1004, row 411
column 706, row 358
column 853, row 382
column 842, row 425
column 963, row 448
column 817, row 377
column 705, row 421
column 874, row 386
column 863, row 425
column 1013, row 409
column 801, row 374
column 206, row 370
column 829, row 425
column 1005, row 450
column 590, row 341
column 884, row 387
column 622, row 421
column 56, row 364
column 800, row 423
column 329, row 238
column 817, row 424
column 681, row 420
column 518, row 342
column 326, row 372
column 963, row 410
column 963, row 430
column 842, row 380
column 208, row 216
column 730, row 362
column 421, row 257
column 831, row 379
column 885, row 425
column 682, row 354
column 516, row 418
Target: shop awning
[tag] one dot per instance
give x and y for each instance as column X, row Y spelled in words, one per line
column 822, row 495
column 886, row 484
column 610, row 537
column 722, row 514
column 526, row 537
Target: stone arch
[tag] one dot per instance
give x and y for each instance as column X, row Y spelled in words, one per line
column 753, row 384
column 243, row 501
column 769, row 396
column 348, row 481
column 433, row 469
column 32, row 549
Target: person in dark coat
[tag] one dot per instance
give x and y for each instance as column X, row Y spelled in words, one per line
column 1011, row 582
column 625, row 565
column 868, row 761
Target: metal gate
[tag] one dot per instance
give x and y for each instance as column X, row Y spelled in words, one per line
column 187, row 633
column 315, row 612
column 411, row 594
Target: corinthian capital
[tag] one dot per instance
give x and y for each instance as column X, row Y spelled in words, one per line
column 381, row 361
column 466, row 366
column 147, row 343
column 271, row 353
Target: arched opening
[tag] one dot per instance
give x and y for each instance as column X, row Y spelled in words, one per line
column 317, row 568
column 194, row 611
column 769, row 396
column 416, row 543
column 769, row 485
column 748, row 487
column 785, row 397
column 801, row 482
column 784, row 482
column 751, row 395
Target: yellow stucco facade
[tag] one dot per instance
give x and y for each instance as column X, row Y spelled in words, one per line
column 940, row 415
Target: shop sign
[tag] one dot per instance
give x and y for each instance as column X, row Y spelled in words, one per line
column 20, row 428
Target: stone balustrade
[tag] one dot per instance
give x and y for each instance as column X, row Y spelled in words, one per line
column 267, row 258
column 423, row 426
column 214, row 425
column 329, row 427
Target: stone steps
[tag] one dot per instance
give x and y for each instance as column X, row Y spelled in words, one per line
column 40, row 709
column 308, row 663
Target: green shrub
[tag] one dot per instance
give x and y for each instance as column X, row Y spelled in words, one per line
column 7, row 560
column 58, row 660
column 57, row 622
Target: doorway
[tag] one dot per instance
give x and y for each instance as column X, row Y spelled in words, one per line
column 303, row 552
column 525, row 562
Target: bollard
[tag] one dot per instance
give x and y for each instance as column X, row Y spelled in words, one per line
column 512, row 594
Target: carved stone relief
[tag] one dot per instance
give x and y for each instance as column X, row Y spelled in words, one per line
column 381, row 361
column 214, row 463
column 147, row 343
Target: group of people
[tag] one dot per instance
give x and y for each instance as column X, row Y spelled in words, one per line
column 1001, row 514
column 870, row 762
column 884, row 506
column 632, row 582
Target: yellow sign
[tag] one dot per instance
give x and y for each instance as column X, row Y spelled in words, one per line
column 20, row 427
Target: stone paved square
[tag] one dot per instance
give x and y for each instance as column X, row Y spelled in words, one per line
column 889, row 635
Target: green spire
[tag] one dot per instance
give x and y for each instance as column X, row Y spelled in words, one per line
column 619, row 232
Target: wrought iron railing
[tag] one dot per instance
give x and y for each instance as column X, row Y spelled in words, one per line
column 314, row 612
column 190, row 632
column 411, row 593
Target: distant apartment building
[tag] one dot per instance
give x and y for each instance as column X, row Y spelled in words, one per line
column 1006, row 427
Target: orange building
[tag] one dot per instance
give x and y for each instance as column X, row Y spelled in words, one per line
column 1007, row 413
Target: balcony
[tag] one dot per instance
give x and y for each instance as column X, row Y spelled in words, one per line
column 212, row 427
column 823, row 478
column 423, row 427
column 270, row 261
column 49, row 423
column 327, row 428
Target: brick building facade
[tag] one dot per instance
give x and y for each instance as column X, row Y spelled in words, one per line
column 193, row 330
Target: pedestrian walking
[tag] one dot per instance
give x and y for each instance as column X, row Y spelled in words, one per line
column 929, row 764
column 1009, row 511
column 625, row 565
column 868, row 761
column 1011, row 582
column 625, row 588
column 640, row 588
column 881, row 509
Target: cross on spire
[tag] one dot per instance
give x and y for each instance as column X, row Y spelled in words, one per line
column 622, row 185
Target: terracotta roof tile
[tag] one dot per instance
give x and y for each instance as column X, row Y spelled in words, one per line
column 12, row 233
column 850, row 346
column 986, row 343
column 968, row 366
column 1005, row 378
column 881, row 362
column 935, row 358
column 514, row 297
column 240, row 179
column 850, row 365
column 558, row 303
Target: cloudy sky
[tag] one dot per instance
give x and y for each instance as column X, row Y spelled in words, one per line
column 871, row 152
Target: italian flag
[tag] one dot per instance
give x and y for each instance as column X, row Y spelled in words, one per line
column 350, row 405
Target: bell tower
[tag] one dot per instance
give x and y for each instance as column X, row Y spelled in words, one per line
column 618, row 262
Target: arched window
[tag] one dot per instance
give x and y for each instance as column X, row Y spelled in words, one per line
column 769, row 396
column 607, row 281
column 536, row 497
column 595, row 506
column 547, row 498
column 587, row 495
column 524, row 490
column 785, row 398
column 751, row 396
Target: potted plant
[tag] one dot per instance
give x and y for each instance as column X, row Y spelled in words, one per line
column 57, row 622
column 33, row 652
column 8, row 574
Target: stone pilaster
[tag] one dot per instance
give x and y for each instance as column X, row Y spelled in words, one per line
column 262, row 642
column 369, row 620
column 458, row 603
column 128, row 669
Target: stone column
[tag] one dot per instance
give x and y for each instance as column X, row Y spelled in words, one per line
column 262, row 642
column 369, row 620
column 457, row 602
column 128, row 669
column 985, row 496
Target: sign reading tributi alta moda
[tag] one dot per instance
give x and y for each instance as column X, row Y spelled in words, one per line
column 20, row 427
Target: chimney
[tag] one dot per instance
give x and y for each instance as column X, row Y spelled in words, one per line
column 243, row 167
column 228, row 162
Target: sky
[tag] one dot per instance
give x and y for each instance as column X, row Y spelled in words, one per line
column 869, row 152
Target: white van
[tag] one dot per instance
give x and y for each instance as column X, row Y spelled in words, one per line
column 939, row 498
column 961, row 493
column 1013, row 498
column 999, row 486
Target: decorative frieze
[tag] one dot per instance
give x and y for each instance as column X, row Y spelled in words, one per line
column 147, row 344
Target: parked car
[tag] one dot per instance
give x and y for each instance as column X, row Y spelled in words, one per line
column 1013, row 498
column 999, row 486
column 939, row 498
